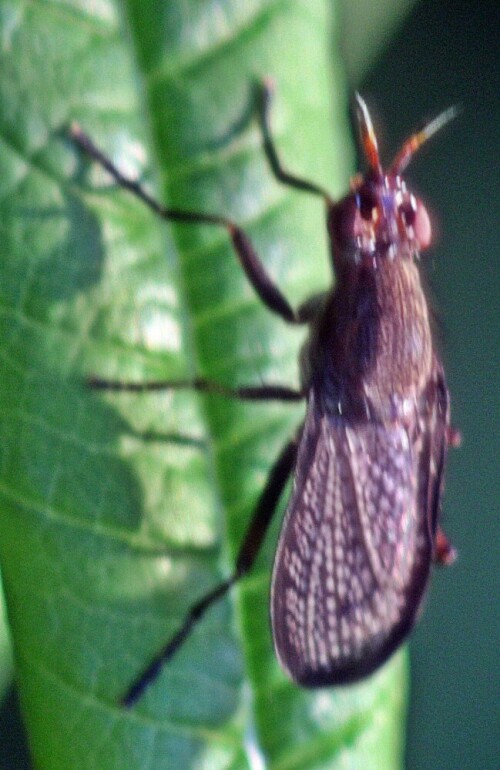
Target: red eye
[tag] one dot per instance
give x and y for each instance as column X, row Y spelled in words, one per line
column 408, row 211
column 422, row 226
column 414, row 215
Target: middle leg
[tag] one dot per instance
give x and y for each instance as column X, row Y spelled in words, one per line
column 201, row 385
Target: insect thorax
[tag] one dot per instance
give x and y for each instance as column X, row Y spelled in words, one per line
column 370, row 351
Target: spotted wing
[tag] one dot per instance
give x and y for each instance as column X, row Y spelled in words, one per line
column 355, row 549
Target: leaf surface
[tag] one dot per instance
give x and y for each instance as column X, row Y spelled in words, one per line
column 119, row 510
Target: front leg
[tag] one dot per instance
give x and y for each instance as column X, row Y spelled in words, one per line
column 251, row 263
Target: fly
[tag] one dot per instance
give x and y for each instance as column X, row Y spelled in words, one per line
column 361, row 530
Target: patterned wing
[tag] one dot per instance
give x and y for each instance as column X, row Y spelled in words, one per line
column 355, row 549
column 434, row 429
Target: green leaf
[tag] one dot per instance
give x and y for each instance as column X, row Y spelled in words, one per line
column 119, row 510
column 6, row 664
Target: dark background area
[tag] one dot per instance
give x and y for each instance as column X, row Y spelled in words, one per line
column 447, row 53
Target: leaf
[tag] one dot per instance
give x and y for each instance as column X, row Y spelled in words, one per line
column 119, row 510
column 6, row 664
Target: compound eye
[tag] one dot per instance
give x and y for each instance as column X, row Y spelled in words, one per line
column 408, row 211
column 367, row 203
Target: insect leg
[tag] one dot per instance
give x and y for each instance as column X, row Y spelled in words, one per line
column 242, row 393
column 281, row 174
column 444, row 552
column 253, row 267
column 248, row 551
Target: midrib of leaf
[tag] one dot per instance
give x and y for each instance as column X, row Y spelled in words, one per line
column 172, row 174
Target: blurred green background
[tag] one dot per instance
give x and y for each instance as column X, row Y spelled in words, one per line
column 441, row 53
